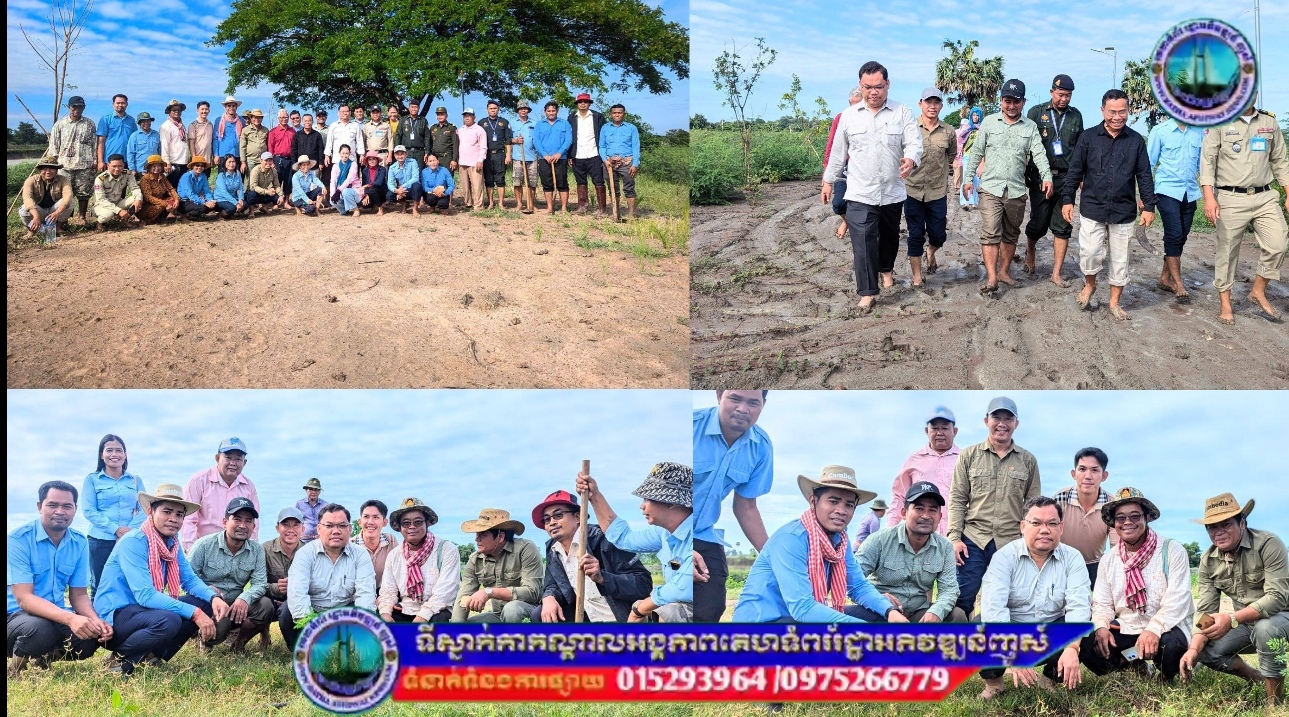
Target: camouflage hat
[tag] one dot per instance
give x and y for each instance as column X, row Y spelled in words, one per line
column 313, row 483
column 49, row 161
column 410, row 504
column 1128, row 495
column 143, row 117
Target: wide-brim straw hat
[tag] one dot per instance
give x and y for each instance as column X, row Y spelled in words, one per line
column 1128, row 495
column 49, row 161
column 840, row 477
column 198, row 159
column 304, row 160
column 1223, row 507
column 410, row 504
column 492, row 519
column 175, row 103
column 170, row 493
column 153, row 159
column 670, row 483
column 372, row 154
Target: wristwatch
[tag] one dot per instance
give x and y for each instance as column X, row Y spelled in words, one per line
column 487, row 591
column 1235, row 622
column 636, row 612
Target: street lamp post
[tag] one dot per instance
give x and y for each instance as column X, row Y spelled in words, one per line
column 1114, row 68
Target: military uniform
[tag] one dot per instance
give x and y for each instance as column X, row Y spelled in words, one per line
column 1052, row 125
column 443, row 143
column 112, row 194
column 494, row 166
column 1239, row 160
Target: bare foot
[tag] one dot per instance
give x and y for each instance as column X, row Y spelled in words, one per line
column 1006, row 278
column 1056, row 279
column 866, row 304
column 841, row 230
column 1261, row 300
column 888, row 280
column 1118, row 313
column 1085, row 297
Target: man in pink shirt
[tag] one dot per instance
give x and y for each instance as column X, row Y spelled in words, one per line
column 213, row 488
column 934, row 463
column 472, row 143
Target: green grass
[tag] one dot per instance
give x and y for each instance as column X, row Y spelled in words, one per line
column 716, row 167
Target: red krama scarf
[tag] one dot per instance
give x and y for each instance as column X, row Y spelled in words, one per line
column 158, row 554
column 821, row 550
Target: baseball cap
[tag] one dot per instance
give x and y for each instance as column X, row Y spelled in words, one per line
column 76, row 101
column 930, row 92
column 1002, row 403
column 266, row 155
column 232, row 444
column 291, row 512
column 468, row 111
column 1062, row 82
column 584, row 97
column 522, row 105
column 1014, row 88
column 399, row 148
column 558, row 497
column 941, row 412
column 237, row 504
column 921, row 488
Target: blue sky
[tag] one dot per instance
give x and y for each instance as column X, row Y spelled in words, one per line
column 1178, row 447
column 1037, row 39
column 134, row 46
column 459, row 451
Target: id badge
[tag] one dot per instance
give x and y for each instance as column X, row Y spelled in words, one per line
column 1258, row 144
column 1057, row 149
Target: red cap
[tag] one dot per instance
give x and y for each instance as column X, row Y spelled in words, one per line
column 583, row 96
column 556, row 498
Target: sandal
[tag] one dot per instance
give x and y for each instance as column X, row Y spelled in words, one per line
column 1183, row 298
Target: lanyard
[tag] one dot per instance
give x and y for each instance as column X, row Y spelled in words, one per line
column 1056, row 124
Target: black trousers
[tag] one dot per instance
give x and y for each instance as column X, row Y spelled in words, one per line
column 443, row 202
column 858, row 611
column 874, row 241
column 193, row 210
column 709, row 597
column 138, row 631
column 1172, row 645
column 560, row 180
column 494, row 169
column 592, row 166
column 442, row 616
column 32, row 636
column 1044, row 212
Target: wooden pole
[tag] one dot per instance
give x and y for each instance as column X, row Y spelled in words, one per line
column 18, row 198
column 613, row 192
column 579, row 610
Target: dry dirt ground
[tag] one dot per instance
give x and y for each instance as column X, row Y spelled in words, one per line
column 333, row 302
column 772, row 290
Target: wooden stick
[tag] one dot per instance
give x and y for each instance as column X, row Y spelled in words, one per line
column 17, row 199
column 579, row 610
column 613, row 193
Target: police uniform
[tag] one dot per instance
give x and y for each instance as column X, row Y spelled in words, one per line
column 1059, row 133
column 443, row 141
column 494, row 165
column 1239, row 160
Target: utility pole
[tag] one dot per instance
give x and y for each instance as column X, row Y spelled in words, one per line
column 1114, row 68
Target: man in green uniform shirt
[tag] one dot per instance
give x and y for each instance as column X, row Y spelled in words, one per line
column 1059, row 127
column 1236, row 166
column 443, row 141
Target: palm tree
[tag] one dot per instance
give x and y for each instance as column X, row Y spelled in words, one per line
column 1141, row 99
column 966, row 79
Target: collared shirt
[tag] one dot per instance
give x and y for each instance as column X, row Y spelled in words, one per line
column 139, row 147
column 201, row 139
column 892, row 566
column 497, row 132
column 74, row 143
column 345, row 133
column 597, row 607
column 1112, row 170
column 871, row 145
column 35, row 188
column 1222, row 166
column 746, row 467
column 229, row 187
column 1256, row 575
column 473, row 145
column 437, row 177
column 1067, row 125
column 552, row 137
column 111, row 503
column 1174, row 153
column 304, row 182
column 777, row 585
column 49, row 569
column 384, row 546
column 312, row 512
column 1084, row 530
column 924, row 465
column 586, row 144
column 1016, row 589
column 988, row 493
column 678, row 582
column 280, row 141
column 930, row 180
column 219, row 567
column 315, row 583
column 620, row 140
column 174, row 143
column 309, row 144
column 262, row 180
column 277, row 565
column 115, row 132
column 195, row 187
column 208, row 490
column 403, row 174
column 524, row 152
column 519, row 568
column 116, row 191
column 1006, row 150
column 126, row 581
column 868, row 525
column 230, row 142
column 1168, row 599
column 441, row 574
column 254, row 142
column 378, row 136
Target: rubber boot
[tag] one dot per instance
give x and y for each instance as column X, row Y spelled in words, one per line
column 582, row 202
column 604, row 204
column 631, row 207
column 1275, row 690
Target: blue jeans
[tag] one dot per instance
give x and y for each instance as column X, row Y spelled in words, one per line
column 1177, row 217
column 138, row 631
column 925, row 218
column 308, row 206
column 972, row 572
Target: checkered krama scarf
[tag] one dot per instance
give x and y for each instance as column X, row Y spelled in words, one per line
column 415, row 588
column 158, row 554
column 1135, row 583
column 821, row 550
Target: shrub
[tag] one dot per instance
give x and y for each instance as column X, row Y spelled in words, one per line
column 779, row 155
column 715, row 166
column 666, row 163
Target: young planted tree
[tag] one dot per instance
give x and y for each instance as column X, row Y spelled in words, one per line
column 966, row 79
column 66, row 20
column 810, row 125
column 735, row 78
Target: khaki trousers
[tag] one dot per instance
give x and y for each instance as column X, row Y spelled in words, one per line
column 1093, row 237
column 1238, row 212
column 472, row 186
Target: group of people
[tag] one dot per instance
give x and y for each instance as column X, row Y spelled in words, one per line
column 161, row 566
column 124, row 171
column 973, row 523
column 882, row 159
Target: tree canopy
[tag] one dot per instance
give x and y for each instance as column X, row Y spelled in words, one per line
column 965, row 78
column 384, row 51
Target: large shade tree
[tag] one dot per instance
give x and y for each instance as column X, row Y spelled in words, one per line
column 384, row 51
column 965, row 78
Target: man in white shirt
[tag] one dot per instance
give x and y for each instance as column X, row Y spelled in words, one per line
column 584, row 155
column 880, row 144
column 344, row 132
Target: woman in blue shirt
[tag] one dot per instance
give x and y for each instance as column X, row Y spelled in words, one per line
column 110, row 501
column 230, row 192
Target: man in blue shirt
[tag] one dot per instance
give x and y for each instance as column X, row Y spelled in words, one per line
column 139, row 593
column 144, row 143
column 1174, row 150
column 437, row 186
column 731, row 454
column 668, row 499
column 523, row 157
column 403, row 180
column 114, row 131
column 46, row 558
column 551, row 139
column 620, row 152
column 806, row 570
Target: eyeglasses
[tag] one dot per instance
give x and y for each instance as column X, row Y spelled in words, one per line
column 334, row 526
column 1051, row 524
column 869, row 88
column 412, row 524
column 1223, row 527
column 557, row 515
column 1132, row 518
column 234, row 459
